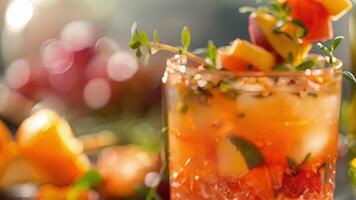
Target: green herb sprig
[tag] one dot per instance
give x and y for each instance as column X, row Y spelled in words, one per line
column 329, row 50
column 282, row 12
column 90, row 180
column 140, row 40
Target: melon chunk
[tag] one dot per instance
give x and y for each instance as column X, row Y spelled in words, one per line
column 230, row 160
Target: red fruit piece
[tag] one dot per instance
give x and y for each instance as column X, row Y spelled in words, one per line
column 315, row 17
column 304, row 181
column 256, row 35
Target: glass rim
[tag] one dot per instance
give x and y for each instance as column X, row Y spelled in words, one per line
column 337, row 68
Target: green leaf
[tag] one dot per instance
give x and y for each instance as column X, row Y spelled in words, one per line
column 89, row 180
column 186, row 38
column 225, row 86
column 303, row 31
column 145, row 39
column 323, row 48
column 247, row 9
column 152, row 195
column 290, row 57
column 306, row 158
column 250, row 152
column 282, row 67
column 336, row 42
column 156, row 38
column 138, row 53
column 352, row 172
column 309, row 64
column 349, row 76
column 292, row 163
column 133, row 28
column 212, row 51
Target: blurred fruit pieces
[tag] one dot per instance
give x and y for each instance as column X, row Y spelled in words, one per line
column 47, row 141
column 282, row 44
column 315, row 17
column 11, row 175
column 124, row 169
column 230, row 160
column 7, row 147
column 301, row 184
column 52, row 192
column 248, row 52
column 256, row 35
column 336, row 8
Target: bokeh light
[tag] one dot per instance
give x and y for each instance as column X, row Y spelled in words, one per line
column 56, row 57
column 18, row 14
column 18, row 74
column 122, row 66
column 78, row 35
column 97, row 93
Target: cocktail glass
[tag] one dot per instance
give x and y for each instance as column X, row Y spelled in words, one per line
column 252, row 135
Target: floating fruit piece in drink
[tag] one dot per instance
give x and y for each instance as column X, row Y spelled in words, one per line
column 315, row 17
column 259, row 180
column 230, row 160
column 300, row 184
column 124, row 169
column 249, row 52
column 282, row 44
column 48, row 143
column 336, row 8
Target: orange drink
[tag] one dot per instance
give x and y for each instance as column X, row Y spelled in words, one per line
column 247, row 135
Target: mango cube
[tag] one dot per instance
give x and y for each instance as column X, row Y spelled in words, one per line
column 253, row 54
column 336, row 8
column 282, row 44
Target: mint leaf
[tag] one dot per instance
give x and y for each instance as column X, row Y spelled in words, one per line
column 281, row 67
column 349, row 76
column 290, row 57
column 303, row 31
column 306, row 65
column 186, row 38
column 306, row 158
column 250, row 152
column 292, row 163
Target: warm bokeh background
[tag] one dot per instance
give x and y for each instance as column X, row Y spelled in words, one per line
column 99, row 85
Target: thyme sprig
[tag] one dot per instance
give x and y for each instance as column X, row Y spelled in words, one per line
column 329, row 50
column 141, row 40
